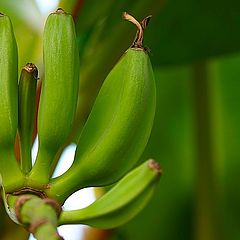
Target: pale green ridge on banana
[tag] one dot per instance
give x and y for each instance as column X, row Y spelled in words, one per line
column 9, row 170
column 120, row 204
column 117, row 129
column 59, row 91
column 26, row 108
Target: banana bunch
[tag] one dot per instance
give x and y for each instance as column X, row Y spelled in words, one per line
column 112, row 140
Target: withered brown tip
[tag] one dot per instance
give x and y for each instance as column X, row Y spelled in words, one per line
column 152, row 164
column 31, row 68
column 141, row 26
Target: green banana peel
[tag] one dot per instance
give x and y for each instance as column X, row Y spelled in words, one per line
column 26, row 109
column 9, row 170
column 59, row 91
column 121, row 203
column 8, row 82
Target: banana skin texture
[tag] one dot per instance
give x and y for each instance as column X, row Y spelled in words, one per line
column 117, row 129
column 26, row 108
column 59, row 91
column 120, row 204
column 9, row 170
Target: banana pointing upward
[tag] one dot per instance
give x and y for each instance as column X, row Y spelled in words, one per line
column 118, row 126
column 59, row 91
column 121, row 203
column 26, row 109
column 9, row 170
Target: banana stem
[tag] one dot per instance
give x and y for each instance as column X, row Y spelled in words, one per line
column 38, row 216
column 41, row 172
column 9, row 170
column 138, row 42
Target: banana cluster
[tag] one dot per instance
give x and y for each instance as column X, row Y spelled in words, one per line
column 112, row 140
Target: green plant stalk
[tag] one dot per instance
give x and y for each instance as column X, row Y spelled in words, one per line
column 36, row 215
column 34, row 179
column 207, row 219
column 10, row 230
column 10, row 172
column 26, row 108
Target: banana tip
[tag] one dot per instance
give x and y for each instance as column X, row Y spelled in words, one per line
column 31, row 68
column 60, row 10
column 1, row 14
column 155, row 166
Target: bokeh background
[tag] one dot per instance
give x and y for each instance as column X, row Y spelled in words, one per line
column 195, row 52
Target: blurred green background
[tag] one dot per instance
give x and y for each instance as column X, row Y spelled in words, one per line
column 195, row 52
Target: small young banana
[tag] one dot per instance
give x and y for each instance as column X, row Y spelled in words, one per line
column 121, row 203
column 9, row 170
column 26, row 109
column 59, row 91
column 118, row 126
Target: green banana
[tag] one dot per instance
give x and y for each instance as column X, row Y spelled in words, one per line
column 118, row 126
column 121, row 203
column 9, row 170
column 26, row 109
column 59, row 91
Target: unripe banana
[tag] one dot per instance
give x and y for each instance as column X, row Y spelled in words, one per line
column 121, row 203
column 9, row 169
column 26, row 109
column 59, row 91
column 117, row 129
